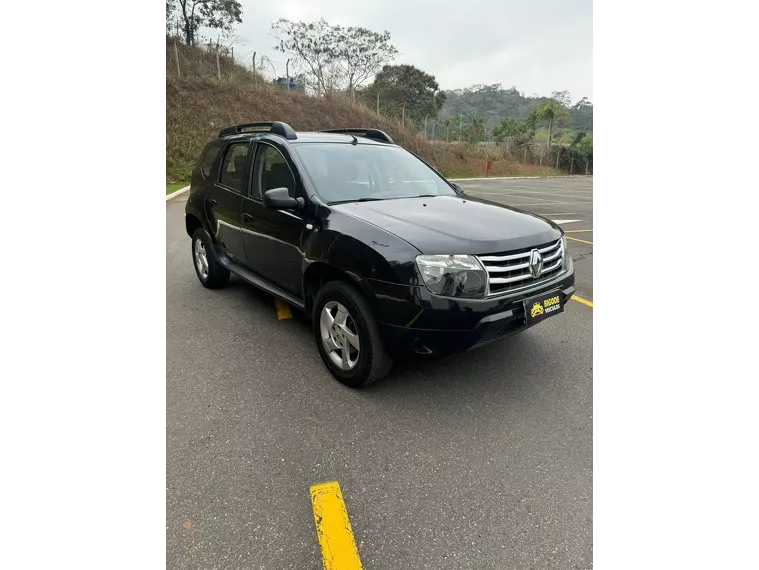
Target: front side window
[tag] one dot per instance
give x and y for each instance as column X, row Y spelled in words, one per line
column 348, row 173
column 233, row 168
column 272, row 171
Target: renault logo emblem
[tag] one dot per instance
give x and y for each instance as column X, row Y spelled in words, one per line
column 536, row 263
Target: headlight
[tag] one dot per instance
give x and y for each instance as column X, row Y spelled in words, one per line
column 453, row 275
column 565, row 249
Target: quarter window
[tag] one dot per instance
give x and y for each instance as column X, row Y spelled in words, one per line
column 209, row 159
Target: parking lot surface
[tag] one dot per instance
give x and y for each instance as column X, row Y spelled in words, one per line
column 480, row 461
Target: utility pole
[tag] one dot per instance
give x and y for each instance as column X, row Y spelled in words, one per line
column 287, row 72
column 378, row 103
column 403, row 114
column 255, row 77
column 461, row 120
column 425, row 128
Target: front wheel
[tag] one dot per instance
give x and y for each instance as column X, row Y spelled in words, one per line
column 209, row 271
column 347, row 336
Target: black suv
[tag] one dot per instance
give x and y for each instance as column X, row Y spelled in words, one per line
column 386, row 256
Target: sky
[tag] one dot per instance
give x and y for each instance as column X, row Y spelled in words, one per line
column 537, row 46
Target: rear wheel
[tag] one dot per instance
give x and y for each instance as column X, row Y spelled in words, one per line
column 347, row 336
column 209, row 271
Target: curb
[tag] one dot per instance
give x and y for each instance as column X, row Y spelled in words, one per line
column 518, row 177
column 177, row 193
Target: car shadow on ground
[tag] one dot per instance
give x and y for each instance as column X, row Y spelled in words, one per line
column 506, row 364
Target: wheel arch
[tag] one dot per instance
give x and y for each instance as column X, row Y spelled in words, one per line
column 318, row 273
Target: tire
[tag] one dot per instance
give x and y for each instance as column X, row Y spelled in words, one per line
column 370, row 362
column 208, row 269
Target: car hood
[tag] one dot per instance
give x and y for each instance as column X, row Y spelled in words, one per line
column 455, row 224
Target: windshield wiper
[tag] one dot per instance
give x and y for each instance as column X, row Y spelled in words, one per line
column 365, row 199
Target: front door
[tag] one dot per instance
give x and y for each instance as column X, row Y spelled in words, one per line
column 273, row 238
column 224, row 201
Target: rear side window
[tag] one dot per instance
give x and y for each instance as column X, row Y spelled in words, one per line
column 212, row 152
column 233, row 168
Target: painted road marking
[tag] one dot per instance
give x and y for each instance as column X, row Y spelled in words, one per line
column 334, row 528
column 583, row 301
column 580, row 240
column 564, row 221
column 550, row 193
column 542, row 204
column 576, row 231
column 523, row 197
column 283, row 309
column 560, row 196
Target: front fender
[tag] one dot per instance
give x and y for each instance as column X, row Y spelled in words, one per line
column 363, row 250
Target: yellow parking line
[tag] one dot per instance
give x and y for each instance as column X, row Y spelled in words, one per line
column 283, row 309
column 580, row 240
column 334, row 528
column 575, row 231
column 583, row 301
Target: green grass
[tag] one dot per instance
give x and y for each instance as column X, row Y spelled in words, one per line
column 174, row 186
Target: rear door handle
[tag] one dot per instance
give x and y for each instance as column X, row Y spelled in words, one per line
column 247, row 217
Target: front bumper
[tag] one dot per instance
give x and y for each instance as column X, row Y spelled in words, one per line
column 412, row 320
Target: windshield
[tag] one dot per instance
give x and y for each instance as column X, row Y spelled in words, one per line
column 352, row 172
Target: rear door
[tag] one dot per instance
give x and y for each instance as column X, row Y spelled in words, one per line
column 273, row 238
column 224, row 201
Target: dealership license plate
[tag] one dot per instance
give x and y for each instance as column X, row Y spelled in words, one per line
column 542, row 306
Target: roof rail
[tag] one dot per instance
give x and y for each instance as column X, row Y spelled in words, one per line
column 374, row 134
column 276, row 128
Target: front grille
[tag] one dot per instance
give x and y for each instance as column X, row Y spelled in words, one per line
column 511, row 271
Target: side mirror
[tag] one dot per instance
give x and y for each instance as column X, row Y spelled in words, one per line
column 280, row 199
column 457, row 187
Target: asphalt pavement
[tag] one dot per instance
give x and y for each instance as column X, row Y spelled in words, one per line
column 480, row 461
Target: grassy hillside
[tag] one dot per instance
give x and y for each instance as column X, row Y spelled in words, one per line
column 198, row 106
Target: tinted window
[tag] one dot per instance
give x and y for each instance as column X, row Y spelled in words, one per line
column 208, row 160
column 347, row 172
column 273, row 171
column 233, row 168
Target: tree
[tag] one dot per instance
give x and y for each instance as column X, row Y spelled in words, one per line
column 361, row 53
column 194, row 14
column 405, row 90
column 312, row 45
column 450, row 123
column 476, row 131
column 562, row 98
column 509, row 128
column 335, row 57
column 531, row 122
column 551, row 111
column 582, row 114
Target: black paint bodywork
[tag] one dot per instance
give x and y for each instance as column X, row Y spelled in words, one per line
column 290, row 253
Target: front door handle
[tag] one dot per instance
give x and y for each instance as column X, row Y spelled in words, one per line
column 212, row 202
column 247, row 217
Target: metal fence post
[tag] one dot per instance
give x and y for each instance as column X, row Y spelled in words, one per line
column 558, row 154
column 176, row 55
